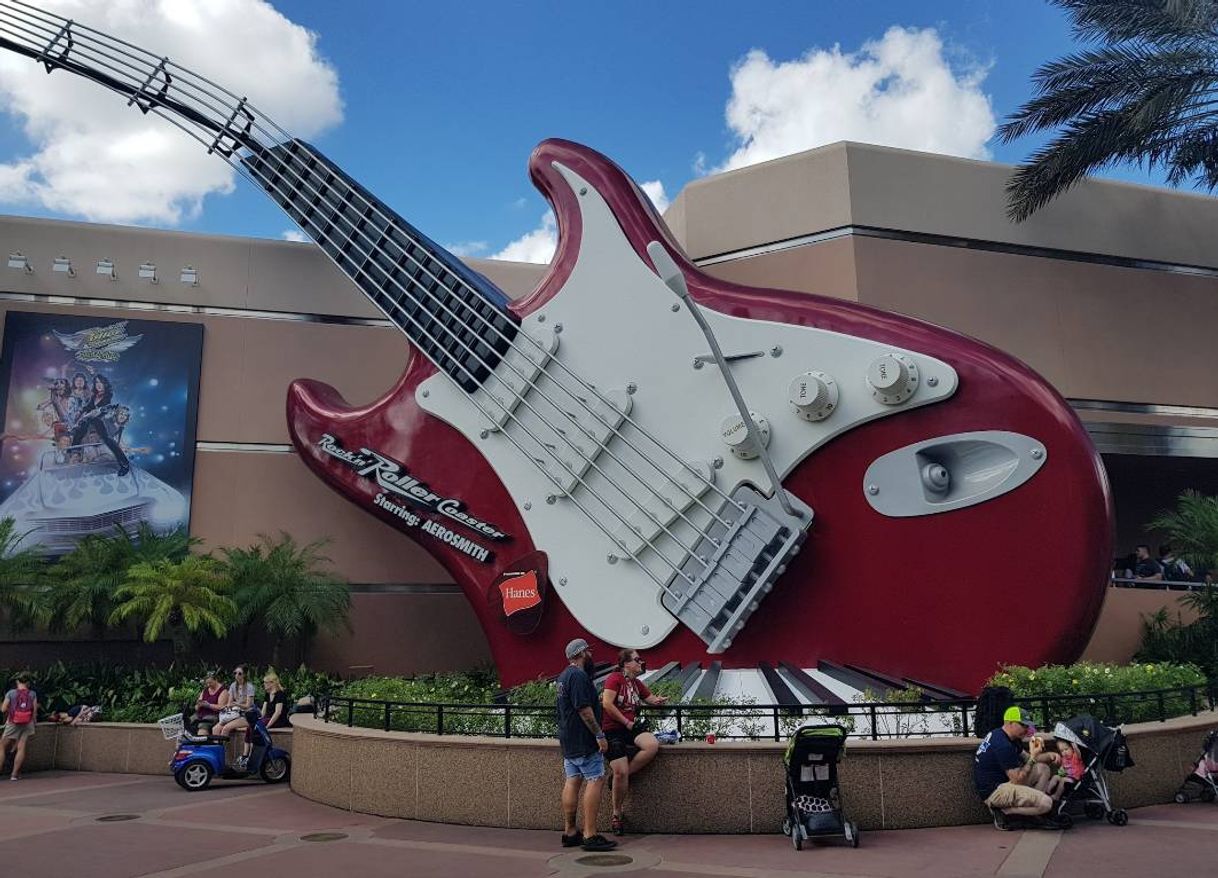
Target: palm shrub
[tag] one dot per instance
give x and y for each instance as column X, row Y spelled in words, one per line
column 1192, row 528
column 184, row 597
column 1144, row 93
column 22, row 578
column 288, row 589
column 82, row 584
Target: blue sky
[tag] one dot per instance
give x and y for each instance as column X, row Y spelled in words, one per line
column 442, row 103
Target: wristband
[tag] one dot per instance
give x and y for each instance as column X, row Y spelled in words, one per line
column 600, row 736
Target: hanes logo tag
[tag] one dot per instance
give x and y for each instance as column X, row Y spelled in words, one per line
column 519, row 592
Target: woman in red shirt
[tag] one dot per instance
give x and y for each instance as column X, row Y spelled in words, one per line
column 623, row 694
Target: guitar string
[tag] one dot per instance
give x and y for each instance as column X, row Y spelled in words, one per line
column 679, row 512
column 578, row 478
column 677, row 569
column 138, row 91
column 663, row 499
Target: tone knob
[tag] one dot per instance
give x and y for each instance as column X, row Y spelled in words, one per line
column 893, row 378
column 736, row 435
column 814, row 395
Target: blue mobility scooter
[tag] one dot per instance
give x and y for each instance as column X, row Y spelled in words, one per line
column 200, row 758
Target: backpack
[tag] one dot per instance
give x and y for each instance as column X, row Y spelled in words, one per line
column 21, row 711
column 1118, row 757
column 1176, row 570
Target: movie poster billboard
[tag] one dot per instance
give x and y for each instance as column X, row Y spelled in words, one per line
column 99, row 425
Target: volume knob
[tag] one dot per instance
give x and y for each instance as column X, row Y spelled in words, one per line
column 814, row 395
column 893, row 378
column 735, row 435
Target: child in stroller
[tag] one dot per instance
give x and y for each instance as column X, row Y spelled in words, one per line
column 1203, row 782
column 814, row 801
column 1102, row 749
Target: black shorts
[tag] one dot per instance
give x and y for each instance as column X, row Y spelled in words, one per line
column 621, row 743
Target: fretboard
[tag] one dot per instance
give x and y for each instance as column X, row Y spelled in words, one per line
column 456, row 317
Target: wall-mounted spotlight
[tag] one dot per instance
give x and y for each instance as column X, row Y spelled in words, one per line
column 63, row 265
column 148, row 272
column 19, row 262
column 190, row 276
column 106, row 267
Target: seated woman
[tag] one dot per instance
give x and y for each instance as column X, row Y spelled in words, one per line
column 240, row 699
column 212, row 699
column 274, row 712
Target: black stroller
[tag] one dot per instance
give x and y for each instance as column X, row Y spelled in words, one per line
column 814, row 801
column 1203, row 782
column 1103, row 749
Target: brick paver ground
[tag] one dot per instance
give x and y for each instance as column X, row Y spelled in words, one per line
column 49, row 823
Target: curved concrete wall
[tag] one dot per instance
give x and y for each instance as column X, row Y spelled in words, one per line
column 692, row 787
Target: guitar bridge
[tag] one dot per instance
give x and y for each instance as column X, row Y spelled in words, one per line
column 735, row 564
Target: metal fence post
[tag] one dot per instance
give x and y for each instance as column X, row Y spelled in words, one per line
column 350, row 711
column 387, row 716
column 875, row 735
column 679, row 711
column 507, row 721
column 439, row 719
column 1162, row 708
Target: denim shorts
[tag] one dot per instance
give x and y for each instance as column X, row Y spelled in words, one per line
column 591, row 767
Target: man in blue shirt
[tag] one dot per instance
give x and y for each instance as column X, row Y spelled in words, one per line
column 583, row 748
column 1008, row 781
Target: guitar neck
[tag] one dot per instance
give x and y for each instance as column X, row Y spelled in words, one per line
column 458, row 319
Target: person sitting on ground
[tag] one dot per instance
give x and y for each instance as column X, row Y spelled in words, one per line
column 1008, row 781
column 620, row 700
column 240, row 699
column 212, row 699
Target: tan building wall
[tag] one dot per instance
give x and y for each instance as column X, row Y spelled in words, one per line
column 1074, row 292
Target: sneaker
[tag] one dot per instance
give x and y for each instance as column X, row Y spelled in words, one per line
column 598, row 842
column 1000, row 819
column 573, row 841
column 618, row 824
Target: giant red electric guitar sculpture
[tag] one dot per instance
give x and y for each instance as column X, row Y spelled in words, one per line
column 647, row 456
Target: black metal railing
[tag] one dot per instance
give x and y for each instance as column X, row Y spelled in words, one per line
column 1158, row 584
column 863, row 719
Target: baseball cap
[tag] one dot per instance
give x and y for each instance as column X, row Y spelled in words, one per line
column 576, row 646
column 1018, row 715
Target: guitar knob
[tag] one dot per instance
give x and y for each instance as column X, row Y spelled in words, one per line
column 893, row 378
column 814, row 395
column 736, row 435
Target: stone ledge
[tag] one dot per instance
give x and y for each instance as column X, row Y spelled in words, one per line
column 724, row 787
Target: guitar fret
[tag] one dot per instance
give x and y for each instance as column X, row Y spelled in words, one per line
column 450, row 317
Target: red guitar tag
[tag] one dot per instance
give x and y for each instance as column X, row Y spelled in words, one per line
column 519, row 592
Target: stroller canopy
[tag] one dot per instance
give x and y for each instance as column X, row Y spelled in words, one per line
column 1085, row 730
column 826, row 739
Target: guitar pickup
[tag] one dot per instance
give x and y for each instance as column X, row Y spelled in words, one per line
column 656, row 513
column 598, row 421
column 516, row 373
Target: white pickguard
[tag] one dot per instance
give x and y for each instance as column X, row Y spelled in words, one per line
column 619, row 330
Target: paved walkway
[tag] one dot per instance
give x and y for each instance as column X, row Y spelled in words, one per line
column 108, row 825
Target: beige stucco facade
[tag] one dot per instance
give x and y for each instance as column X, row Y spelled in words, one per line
column 1111, row 293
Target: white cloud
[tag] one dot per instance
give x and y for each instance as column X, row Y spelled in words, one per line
column 655, row 191
column 467, row 248
column 535, row 246
column 294, row 235
column 96, row 158
column 539, row 244
column 896, row 91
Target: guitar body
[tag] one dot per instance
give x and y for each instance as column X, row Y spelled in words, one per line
column 1017, row 578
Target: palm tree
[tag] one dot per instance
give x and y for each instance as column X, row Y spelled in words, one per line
column 84, row 581
column 284, row 585
column 1146, row 94
column 184, row 596
column 22, row 578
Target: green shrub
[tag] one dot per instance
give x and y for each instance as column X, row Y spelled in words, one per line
column 1090, row 680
